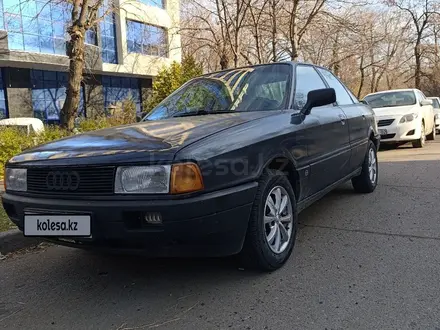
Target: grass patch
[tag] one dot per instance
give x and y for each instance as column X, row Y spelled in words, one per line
column 5, row 223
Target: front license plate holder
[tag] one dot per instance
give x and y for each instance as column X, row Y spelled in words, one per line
column 52, row 225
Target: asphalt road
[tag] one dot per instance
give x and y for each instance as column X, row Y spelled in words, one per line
column 361, row 262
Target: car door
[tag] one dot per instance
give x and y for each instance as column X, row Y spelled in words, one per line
column 356, row 117
column 428, row 113
column 326, row 131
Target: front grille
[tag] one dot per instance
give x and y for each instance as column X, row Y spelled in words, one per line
column 385, row 122
column 86, row 181
column 387, row 136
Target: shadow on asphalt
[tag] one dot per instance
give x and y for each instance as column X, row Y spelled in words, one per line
column 118, row 289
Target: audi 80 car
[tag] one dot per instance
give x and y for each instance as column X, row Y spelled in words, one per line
column 221, row 167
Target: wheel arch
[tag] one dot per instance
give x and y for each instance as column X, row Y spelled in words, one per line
column 375, row 137
column 286, row 165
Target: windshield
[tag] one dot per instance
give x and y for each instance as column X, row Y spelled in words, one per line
column 248, row 89
column 391, row 99
column 435, row 103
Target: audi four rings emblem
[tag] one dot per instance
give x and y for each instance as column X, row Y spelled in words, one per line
column 62, row 180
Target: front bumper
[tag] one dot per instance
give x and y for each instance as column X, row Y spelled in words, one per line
column 397, row 132
column 213, row 224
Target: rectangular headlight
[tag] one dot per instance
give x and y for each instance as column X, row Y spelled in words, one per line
column 16, row 179
column 143, row 179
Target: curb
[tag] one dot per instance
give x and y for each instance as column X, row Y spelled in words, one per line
column 13, row 240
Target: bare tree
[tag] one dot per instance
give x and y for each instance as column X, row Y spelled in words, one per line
column 85, row 15
column 420, row 12
column 300, row 15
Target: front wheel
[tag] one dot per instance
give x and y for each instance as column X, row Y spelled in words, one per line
column 272, row 225
column 431, row 136
column 366, row 182
column 420, row 143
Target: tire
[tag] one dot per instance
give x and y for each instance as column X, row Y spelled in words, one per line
column 366, row 182
column 431, row 137
column 420, row 143
column 258, row 250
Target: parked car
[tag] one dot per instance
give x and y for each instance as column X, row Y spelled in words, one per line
column 27, row 125
column 436, row 105
column 220, row 167
column 404, row 115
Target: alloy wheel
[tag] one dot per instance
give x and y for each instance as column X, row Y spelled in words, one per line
column 278, row 219
column 372, row 165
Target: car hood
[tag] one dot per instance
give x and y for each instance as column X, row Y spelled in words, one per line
column 146, row 141
column 395, row 111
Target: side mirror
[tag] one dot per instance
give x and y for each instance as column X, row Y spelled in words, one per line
column 318, row 98
column 364, row 102
column 426, row 102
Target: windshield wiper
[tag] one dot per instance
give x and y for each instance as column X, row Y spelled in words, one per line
column 201, row 113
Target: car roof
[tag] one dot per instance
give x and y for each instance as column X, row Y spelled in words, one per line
column 394, row 90
column 293, row 63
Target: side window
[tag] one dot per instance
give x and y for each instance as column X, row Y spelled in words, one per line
column 420, row 95
column 307, row 79
column 342, row 97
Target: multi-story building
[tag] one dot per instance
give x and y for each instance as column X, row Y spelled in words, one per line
column 123, row 53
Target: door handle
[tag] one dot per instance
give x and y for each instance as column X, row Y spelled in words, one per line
column 342, row 118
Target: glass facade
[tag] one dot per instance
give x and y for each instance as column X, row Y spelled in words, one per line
column 3, row 109
column 117, row 89
column 49, row 94
column 108, row 39
column 146, row 39
column 154, row 3
column 38, row 26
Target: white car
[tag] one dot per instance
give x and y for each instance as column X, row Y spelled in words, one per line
column 27, row 125
column 403, row 115
column 436, row 105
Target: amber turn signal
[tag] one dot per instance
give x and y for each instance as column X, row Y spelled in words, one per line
column 185, row 178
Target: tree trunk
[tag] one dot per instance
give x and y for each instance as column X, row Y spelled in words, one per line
column 335, row 55
column 75, row 51
column 361, row 82
column 294, row 46
column 418, row 69
column 294, row 32
column 224, row 61
column 274, row 32
column 377, row 82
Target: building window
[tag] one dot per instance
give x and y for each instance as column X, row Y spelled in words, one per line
column 91, row 37
column 154, row 3
column 146, row 39
column 108, row 39
column 118, row 89
column 3, row 109
column 38, row 26
column 49, row 94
